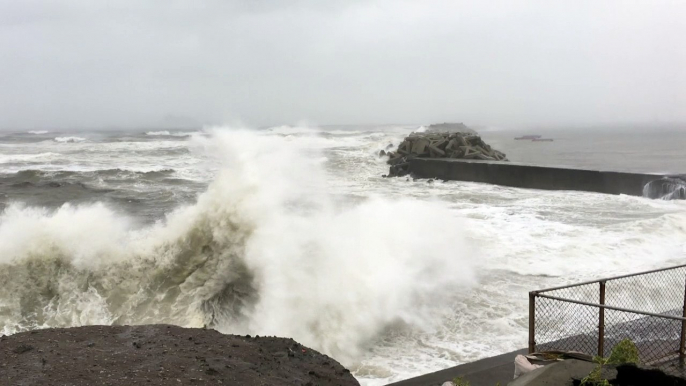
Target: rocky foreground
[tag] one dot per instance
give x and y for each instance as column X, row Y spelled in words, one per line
column 161, row 355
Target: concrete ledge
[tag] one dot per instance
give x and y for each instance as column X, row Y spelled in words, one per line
column 484, row 372
column 532, row 176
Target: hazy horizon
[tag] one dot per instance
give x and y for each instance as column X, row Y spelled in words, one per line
column 153, row 64
column 606, row 127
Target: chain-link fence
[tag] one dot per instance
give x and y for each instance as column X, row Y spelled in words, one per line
column 648, row 307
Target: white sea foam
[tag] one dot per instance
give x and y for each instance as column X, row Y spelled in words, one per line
column 172, row 133
column 264, row 250
column 69, row 139
column 291, row 130
column 154, row 133
column 20, row 158
column 38, row 132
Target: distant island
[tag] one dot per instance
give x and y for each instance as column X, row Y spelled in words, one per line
column 533, row 138
column 450, row 128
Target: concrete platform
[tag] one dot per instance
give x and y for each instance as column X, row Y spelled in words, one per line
column 484, row 372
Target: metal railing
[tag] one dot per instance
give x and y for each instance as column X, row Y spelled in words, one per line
column 591, row 317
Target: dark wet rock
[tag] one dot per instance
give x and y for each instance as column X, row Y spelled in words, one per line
column 162, row 355
column 630, row 374
column 22, row 348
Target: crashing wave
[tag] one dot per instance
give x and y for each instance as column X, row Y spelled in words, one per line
column 13, row 158
column 69, row 139
column 263, row 251
column 666, row 188
column 168, row 133
column 38, row 132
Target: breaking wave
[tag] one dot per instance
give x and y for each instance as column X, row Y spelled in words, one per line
column 69, row 139
column 12, row 158
column 38, row 132
column 171, row 133
column 666, row 188
column 265, row 250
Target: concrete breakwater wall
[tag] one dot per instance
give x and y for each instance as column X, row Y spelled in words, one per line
column 539, row 177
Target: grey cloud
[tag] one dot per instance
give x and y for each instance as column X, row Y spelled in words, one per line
column 136, row 63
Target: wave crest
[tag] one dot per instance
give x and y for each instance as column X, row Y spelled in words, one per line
column 168, row 133
column 69, row 139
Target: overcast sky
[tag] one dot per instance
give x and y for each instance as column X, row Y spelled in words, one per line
column 144, row 63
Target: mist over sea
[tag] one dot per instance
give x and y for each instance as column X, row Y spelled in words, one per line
column 293, row 231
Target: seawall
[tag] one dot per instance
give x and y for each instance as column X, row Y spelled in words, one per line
column 532, row 176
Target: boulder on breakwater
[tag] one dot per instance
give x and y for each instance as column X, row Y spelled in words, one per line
column 161, row 355
column 431, row 144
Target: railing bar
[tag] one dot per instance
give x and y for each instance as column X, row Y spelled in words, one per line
column 611, row 307
column 682, row 340
column 609, row 278
column 601, row 322
column 532, row 322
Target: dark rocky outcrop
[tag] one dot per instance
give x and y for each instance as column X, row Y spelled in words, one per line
column 461, row 145
column 636, row 375
column 161, row 355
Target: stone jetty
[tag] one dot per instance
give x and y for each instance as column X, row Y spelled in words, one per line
column 431, row 144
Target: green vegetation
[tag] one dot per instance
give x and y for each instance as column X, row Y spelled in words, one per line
column 595, row 378
column 551, row 357
column 624, row 352
column 460, row 381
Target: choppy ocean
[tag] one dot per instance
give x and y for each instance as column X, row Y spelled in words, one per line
column 292, row 231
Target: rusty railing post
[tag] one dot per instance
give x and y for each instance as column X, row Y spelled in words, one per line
column 682, row 343
column 532, row 322
column 601, row 321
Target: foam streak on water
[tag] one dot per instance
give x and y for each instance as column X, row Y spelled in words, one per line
column 291, row 231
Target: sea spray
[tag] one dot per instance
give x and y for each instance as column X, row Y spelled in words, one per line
column 666, row 188
column 265, row 250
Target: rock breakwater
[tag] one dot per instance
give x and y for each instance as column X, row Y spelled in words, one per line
column 459, row 145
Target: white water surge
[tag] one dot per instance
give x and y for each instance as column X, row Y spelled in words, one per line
column 296, row 234
column 264, row 250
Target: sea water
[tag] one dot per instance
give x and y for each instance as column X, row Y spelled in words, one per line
column 293, row 231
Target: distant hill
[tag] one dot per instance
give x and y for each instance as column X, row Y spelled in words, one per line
column 450, row 128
